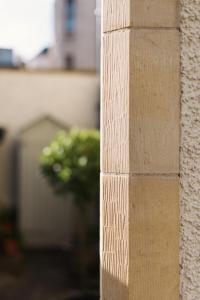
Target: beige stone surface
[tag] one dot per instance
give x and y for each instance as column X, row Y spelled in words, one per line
column 114, row 237
column 140, row 151
column 154, row 238
column 140, row 13
column 115, row 102
column 190, row 150
column 140, row 237
column 116, row 14
column 141, row 102
column 154, row 101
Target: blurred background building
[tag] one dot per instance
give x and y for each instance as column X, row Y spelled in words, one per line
column 98, row 33
column 75, row 34
column 39, row 98
column 75, row 38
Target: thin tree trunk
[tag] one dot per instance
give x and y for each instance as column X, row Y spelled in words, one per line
column 83, row 251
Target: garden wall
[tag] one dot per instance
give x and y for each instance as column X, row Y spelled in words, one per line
column 69, row 97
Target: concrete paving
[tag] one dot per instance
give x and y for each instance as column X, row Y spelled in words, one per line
column 41, row 275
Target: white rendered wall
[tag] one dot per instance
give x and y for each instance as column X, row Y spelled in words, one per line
column 70, row 98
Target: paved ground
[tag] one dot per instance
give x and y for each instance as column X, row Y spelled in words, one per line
column 43, row 275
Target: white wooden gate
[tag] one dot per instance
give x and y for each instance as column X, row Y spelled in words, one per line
column 45, row 219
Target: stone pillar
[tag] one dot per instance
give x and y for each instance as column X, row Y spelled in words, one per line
column 140, row 150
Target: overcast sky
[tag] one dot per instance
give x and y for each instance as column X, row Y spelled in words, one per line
column 26, row 25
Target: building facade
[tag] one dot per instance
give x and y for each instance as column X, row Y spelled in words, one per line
column 75, row 34
column 98, row 33
column 75, row 43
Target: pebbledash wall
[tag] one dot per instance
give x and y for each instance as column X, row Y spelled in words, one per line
column 190, row 150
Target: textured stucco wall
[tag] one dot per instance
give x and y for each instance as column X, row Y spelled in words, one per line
column 190, row 151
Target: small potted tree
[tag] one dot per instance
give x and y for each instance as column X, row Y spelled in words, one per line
column 71, row 165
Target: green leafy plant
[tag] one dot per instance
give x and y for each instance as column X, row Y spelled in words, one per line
column 71, row 164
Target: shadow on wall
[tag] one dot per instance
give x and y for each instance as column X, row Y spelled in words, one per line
column 112, row 288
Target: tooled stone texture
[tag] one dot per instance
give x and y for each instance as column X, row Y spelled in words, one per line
column 190, row 150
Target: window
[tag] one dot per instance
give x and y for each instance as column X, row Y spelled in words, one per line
column 70, row 16
column 69, row 62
